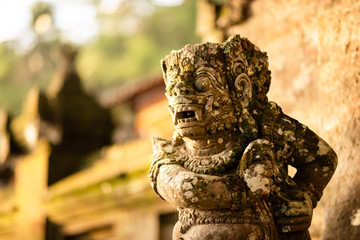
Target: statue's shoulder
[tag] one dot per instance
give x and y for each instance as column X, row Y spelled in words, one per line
column 277, row 125
column 272, row 111
column 165, row 148
column 271, row 115
column 285, row 132
column 161, row 145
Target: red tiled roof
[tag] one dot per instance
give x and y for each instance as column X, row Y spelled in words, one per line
column 128, row 91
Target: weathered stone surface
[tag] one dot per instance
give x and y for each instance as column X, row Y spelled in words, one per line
column 226, row 168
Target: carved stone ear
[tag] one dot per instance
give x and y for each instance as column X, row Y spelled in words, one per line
column 163, row 68
column 243, row 88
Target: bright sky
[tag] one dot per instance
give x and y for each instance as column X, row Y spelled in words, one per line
column 75, row 18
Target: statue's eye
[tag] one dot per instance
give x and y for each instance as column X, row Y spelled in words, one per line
column 202, row 84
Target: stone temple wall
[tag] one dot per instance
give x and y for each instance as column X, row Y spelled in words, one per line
column 314, row 55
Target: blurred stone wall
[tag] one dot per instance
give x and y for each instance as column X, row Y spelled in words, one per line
column 314, row 55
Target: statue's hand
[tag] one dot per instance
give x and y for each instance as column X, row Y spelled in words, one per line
column 296, row 214
column 258, row 177
column 258, row 167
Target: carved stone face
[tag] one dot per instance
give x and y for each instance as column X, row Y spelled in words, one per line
column 198, row 95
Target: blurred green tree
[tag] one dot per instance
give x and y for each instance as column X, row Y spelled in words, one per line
column 133, row 36
column 136, row 41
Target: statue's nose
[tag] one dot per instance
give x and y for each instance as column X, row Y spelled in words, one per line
column 180, row 89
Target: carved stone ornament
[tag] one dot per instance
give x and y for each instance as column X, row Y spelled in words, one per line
column 226, row 168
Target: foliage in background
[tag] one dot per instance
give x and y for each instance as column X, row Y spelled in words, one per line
column 113, row 58
column 131, row 41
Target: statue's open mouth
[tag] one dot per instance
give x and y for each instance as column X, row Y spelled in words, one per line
column 187, row 115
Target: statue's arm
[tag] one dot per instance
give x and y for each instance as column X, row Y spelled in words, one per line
column 187, row 189
column 315, row 162
column 313, row 158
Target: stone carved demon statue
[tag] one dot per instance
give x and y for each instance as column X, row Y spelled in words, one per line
column 226, row 166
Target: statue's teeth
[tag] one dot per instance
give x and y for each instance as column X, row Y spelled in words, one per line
column 198, row 115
